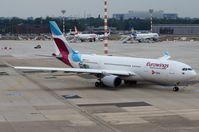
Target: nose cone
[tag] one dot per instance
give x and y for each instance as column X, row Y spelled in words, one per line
column 194, row 74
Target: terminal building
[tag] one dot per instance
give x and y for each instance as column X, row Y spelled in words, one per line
column 145, row 15
column 170, row 16
column 176, row 29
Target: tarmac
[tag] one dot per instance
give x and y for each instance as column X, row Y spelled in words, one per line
column 59, row 102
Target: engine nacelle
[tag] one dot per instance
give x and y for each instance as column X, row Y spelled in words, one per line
column 111, row 81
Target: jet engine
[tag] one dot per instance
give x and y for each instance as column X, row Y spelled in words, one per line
column 111, row 81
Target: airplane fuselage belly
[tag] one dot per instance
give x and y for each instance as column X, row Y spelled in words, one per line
column 154, row 70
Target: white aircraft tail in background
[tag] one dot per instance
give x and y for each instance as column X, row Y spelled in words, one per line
column 112, row 70
column 85, row 37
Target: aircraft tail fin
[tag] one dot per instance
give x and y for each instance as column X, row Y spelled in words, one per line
column 76, row 30
column 63, row 45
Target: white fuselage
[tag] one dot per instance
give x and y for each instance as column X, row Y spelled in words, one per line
column 86, row 36
column 102, row 36
column 154, row 70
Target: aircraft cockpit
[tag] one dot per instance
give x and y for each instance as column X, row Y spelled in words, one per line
column 187, row 69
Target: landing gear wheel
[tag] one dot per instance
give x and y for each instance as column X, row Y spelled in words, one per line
column 102, row 84
column 130, row 82
column 176, row 89
column 90, row 40
column 97, row 84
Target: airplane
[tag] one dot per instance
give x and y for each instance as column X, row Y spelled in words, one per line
column 71, row 33
column 144, row 36
column 102, row 36
column 111, row 71
column 85, row 37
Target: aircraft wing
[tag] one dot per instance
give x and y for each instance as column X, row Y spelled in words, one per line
column 79, row 70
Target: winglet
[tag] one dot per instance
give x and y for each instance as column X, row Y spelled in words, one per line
column 166, row 56
column 166, row 53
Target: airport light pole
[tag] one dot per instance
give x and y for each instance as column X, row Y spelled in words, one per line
column 106, row 27
column 151, row 13
column 63, row 12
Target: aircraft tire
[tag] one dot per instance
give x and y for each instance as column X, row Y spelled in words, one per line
column 90, row 40
column 97, row 84
column 102, row 84
column 176, row 89
column 130, row 82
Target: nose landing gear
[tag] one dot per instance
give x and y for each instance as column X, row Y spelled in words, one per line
column 176, row 89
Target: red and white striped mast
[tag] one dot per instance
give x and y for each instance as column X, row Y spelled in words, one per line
column 106, row 27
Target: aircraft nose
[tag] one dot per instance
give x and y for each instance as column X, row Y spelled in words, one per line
column 194, row 74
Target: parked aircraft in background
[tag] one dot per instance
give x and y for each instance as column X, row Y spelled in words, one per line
column 112, row 70
column 85, row 37
column 102, row 36
column 71, row 33
column 92, row 37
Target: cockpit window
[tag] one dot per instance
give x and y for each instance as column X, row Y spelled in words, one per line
column 187, row 69
column 184, row 69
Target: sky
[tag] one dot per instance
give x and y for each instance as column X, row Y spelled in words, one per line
column 78, row 8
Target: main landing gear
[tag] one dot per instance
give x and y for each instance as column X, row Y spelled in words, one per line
column 176, row 89
column 129, row 83
column 99, row 84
